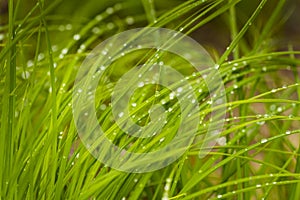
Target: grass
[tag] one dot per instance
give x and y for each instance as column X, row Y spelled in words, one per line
column 42, row 45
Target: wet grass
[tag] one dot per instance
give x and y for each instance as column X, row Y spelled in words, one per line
column 256, row 156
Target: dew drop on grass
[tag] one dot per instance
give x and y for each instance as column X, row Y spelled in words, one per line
column 110, row 10
column 161, row 140
column 179, row 89
column 235, row 86
column 260, row 123
column 96, row 30
column 61, row 28
column 121, row 114
column 167, row 187
column 222, row 141
column 76, row 37
column 133, row 104
column 171, row 95
column 258, row 185
column 129, row 20
column 1, row 37
column 64, row 51
column 274, row 90
column 272, row 107
column 25, row 75
column 110, row 25
column 141, row 84
column 279, row 109
column 288, row 132
column 264, row 140
column 217, row 66
column 69, row 27
column 264, row 69
column 30, row 63
column 219, row 196
column 41, row 56
column 79, row 90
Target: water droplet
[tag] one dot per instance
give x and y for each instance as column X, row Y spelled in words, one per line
column 129, row 20
column 167, row 187
column 274, row 90
column 41, row 56
column 121, row 114
column 79, row 90
column 161, row 140
column 64, row 51
column 222, row 141
column 133, row 104
column 61, row 28
column 217, row 66
column 118, row 6
column 264, row 140
column 288, row 132
column 235, row 86
column 110, row 10
column 104, row 52
column 141, row 84
column 1, row 37
column 279, row 109
column 264, row 69
column 260, row 123
column 258, row 185
column 69, row 26
column 179, row 89
column 273, row 107
column 171, row 95
column 99, row 17
column 110, row 25
column 76, row 37
column 25, row 74
column 219, row 196
column 30, row 63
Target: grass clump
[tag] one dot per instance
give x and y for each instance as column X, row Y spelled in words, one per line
column 43, row 44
